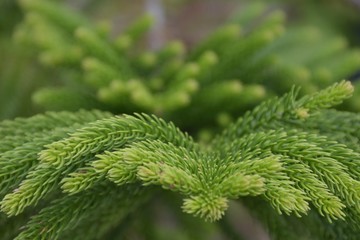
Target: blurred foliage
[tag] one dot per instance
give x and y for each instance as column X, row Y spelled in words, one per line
column 335, row 24
column 255, row 55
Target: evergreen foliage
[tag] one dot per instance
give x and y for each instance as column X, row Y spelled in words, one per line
column 167, row 127
column 72, row 169
column 239, row 65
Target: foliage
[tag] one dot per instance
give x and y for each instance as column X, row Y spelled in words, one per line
column 77, row 169
column 240, row 64
column 293, row 161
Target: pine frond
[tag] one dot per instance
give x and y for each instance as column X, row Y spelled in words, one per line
column 275, row 153
column 80, row 207
column 291, row 161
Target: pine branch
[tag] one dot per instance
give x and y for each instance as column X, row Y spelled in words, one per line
column 277, row 154
column 287, row 155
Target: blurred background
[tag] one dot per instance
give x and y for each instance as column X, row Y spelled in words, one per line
column 189, row 21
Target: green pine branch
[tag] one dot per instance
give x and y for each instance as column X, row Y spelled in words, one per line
column 77, row 168
column 292, row 161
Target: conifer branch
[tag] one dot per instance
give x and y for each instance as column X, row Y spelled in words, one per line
column 289, row 167
column 63, row 171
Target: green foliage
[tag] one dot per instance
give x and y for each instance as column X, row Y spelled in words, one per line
column 18, row 79
column 293, row 161
column 85, row 166
column 242, row 63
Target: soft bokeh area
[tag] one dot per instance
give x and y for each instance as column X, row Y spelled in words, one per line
column 334, row 23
